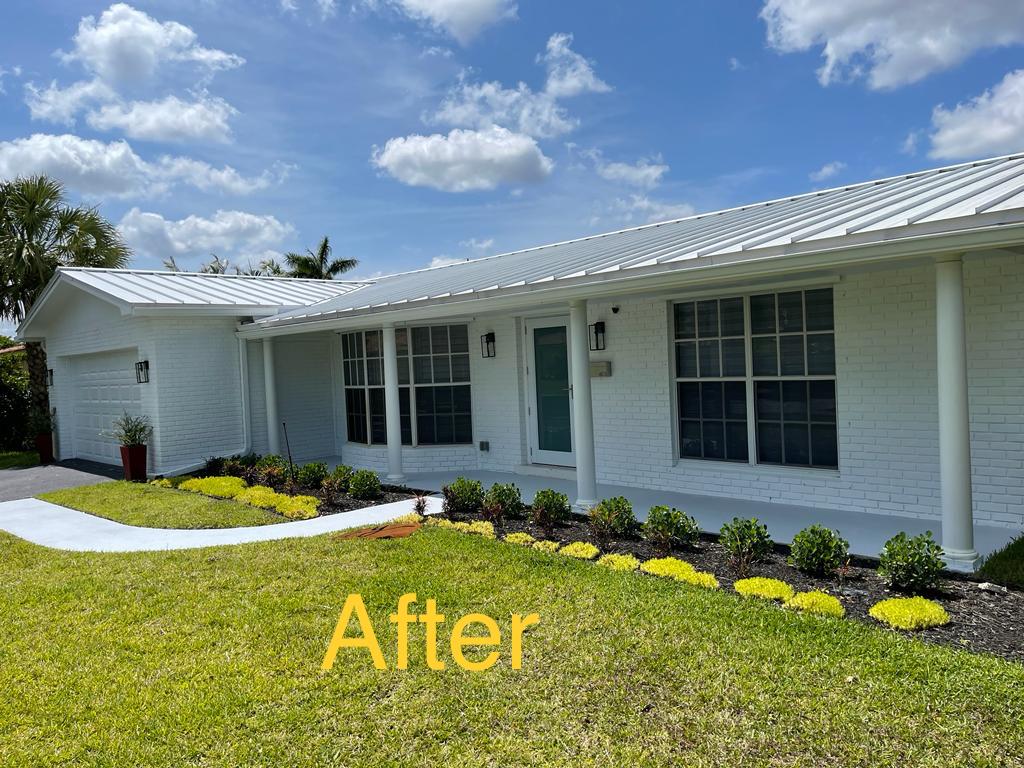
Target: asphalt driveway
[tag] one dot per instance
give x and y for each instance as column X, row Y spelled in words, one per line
column 31, row 481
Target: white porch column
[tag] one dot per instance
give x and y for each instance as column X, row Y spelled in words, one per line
column 270, row 394
column 582, row 408
column 392, row 406
column 954, row 420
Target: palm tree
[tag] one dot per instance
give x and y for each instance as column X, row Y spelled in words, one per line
column 39, row 232
column 318, row 265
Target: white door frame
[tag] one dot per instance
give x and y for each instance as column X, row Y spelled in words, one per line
column 536, row 455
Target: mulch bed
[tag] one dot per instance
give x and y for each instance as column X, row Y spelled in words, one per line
column 345, row 503
column 980, row 621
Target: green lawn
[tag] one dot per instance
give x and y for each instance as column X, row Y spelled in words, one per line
column 212, row 658
column 1006, row 566
column 18, row 459
column 155, row 507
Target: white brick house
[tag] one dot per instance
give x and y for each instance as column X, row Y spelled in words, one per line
column 858, row 349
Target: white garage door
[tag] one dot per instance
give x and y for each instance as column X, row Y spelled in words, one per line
column 104, row 389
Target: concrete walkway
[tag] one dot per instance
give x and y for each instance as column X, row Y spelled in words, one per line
column 50, row 525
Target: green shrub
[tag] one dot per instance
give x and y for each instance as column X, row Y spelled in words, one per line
column 619, row 562
column 766, row 589
column 364, row 484
column 341, row 475
column 668, row 527
column 612, row 518
column 462, row 496
column 14, row 400
column 580, row 549
column 520, row 538
column 221, row 487
column 818, row 550
column 909, row 613
column 549, row 508
column 504, row 500
column 746, row 541
column 546, row 546
column 1006, row 566
column 816, row 602
column 911, row 564
column 679, row 570
column 311, row 475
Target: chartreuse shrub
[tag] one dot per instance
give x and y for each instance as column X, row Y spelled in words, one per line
column 311, row 475
column 477, row 527
column 818, row 550
column 580, row 549
column 292, row 507
column 222, row 487
column 462, row 496
column 816, row 602
column 549, row 508
column 520, row 538
column 162, row 482
column 766, row 589
column 619, row 562
column 503, row 500
column 679, row 570
column 546, row 546
column 909, row 613
column 746, row 541
column 667, row 527
column 612, row 518
column 364, row 484
column 911, row 564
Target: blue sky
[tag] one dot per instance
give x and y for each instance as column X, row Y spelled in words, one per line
column 400, row 128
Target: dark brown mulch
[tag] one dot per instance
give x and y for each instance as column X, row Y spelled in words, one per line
column 345, row 503
column 980, row 621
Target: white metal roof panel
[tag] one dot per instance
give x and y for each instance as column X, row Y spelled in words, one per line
column 191, row 289
column 871, row 211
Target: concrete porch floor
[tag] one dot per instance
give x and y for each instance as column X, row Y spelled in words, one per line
column 865, row 532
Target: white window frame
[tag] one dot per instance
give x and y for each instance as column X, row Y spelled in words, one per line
column 750, row 379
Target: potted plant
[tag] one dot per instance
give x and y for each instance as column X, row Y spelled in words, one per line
column 133, row 432
column 40, row 422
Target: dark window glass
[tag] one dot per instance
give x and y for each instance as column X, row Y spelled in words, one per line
column 734, row 362
column 791, row 355
column 355, row 415
column 712, row 420
column 686, row 359
column 796, row 423
column 709, row 362
column 791, row 312
column 819, row 310
column 821, row 354
column 765, row 356
column 732, row 317
column 378, row 421
column 421, row 341
column 686, row 323
column 439, row 339
column 459, row 335
column 707, row 319
column 762, row 314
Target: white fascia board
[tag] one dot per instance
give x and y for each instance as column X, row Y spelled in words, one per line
column 64, row 277
column 707, row 270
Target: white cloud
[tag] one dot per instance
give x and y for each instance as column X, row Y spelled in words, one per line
column 735, row 65
column 535, row 113
column 226, row 233
column 891, row 42
column 477, row 245
column 168, row 119
column 128, row 45
column 61, row 105
column 989, row 124
column 642, row 209
column 464, row 160
column 4, row 72
column 97, row 168
column 827, row 171
column 445, row 260
column 462, row 19
column 645, row 172
column 569, row 74
column 909, row 145
column 480, row 105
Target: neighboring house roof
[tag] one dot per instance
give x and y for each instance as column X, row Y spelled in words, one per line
column 959, row 199
column 141, row 291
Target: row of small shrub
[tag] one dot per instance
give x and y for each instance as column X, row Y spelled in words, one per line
column 273, row 471
column 230, row 487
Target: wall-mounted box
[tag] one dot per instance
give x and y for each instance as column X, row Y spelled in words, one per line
column 600, row 369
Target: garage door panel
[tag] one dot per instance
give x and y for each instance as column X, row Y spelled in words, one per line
column 105, row 388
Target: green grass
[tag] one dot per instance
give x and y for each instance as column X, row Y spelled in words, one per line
column 155, row 507
column 212, row 658
column 1006, row 566
column 18, row 459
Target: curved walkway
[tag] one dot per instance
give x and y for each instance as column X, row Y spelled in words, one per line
column 51, row 525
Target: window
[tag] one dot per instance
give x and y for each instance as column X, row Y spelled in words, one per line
column 434, row 390
column 788, row 342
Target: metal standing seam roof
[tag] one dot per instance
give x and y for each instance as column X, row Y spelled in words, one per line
column 950, row 199
column 152, row 288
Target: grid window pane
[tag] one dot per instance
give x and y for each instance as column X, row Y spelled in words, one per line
column 459, row 335
column 439, row 339
column 791, row 312
column 712, row 420
column 766, row 356
column 821, row 354
column 819, row 310
column 421, row 341
column 710, row 366
column 791, row 355
column 731, row 317
column 686, row 360
column 762, row 314
column 707, row 319
column 686, row 322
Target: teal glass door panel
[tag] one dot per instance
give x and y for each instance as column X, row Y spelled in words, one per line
column 551, row 363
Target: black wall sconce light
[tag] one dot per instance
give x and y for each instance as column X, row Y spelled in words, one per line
column 142, row 372
column 49, row 377
column 487, row 345
column 597, row 336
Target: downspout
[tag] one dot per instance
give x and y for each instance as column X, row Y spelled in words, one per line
column 243, row 376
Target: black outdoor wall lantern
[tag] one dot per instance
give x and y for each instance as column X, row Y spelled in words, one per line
column 487, row 345
column 142, row 372
column 597, row 336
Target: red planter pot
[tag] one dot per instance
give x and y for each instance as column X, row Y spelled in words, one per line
column 44, row 447
column 133, row 457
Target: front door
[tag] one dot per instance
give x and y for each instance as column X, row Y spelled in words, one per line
column 550, row 390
